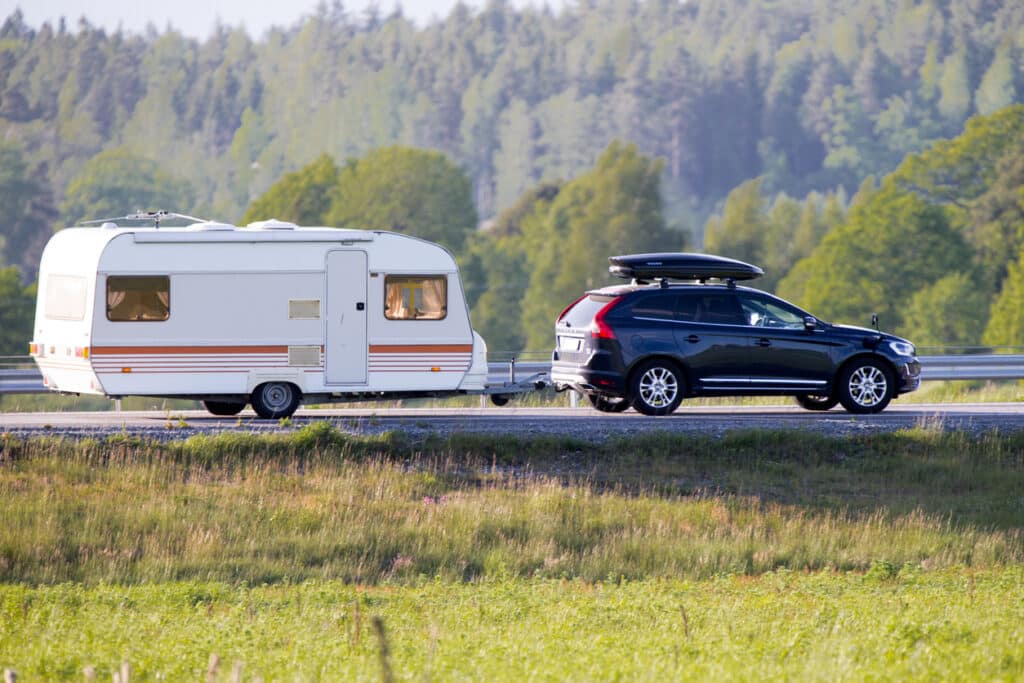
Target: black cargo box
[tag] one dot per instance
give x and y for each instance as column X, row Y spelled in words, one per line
column 681, row 266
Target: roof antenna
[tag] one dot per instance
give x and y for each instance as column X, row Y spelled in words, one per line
column 874, row 322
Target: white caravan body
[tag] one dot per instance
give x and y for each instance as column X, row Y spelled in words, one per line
column 212, row 312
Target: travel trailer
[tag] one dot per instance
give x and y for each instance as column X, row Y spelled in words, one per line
column 269, row 314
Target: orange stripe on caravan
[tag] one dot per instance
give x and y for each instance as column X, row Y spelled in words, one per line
column 136, row 350
column 421, row 348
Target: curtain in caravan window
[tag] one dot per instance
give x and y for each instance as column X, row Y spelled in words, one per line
column 138, row 298
column 416, row 297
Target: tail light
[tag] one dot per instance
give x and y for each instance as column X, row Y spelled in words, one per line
column 568, row 308
column 81, row 352
column 599, row 329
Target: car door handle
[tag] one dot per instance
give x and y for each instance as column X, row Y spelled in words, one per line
column 763, row 342
column 693, row 339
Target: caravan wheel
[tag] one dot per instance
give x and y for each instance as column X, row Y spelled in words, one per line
column 276, row 399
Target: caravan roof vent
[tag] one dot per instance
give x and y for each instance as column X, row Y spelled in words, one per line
column 272, row 224
column 109, row 225
column 210, row 226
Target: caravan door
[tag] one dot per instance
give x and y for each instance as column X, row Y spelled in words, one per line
column 345, row 352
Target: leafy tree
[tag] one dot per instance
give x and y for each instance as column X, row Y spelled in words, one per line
column 116, row 182
column 997, row 89
column 27, row 211
column 864, row 266
column 302, row 197
column 498, row 278
column 407, row 190
column 740, row 232
column 952, row 311
column 17, row 310
column 613, row 209
column 1006, row 322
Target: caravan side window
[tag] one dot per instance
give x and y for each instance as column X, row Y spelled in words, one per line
column 415, row 297
column 138, row 298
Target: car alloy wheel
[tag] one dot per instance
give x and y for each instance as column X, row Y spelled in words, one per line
column 866, row 386
column 657, row 388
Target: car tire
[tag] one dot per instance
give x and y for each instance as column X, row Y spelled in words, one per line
column 276, row 399
column 656, row 387
column 223, row 408
column 816, row 401
column 606, row 404
column 865, row 386
column 500, row 399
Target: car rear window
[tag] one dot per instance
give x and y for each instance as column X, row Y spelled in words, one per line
column 585, row 309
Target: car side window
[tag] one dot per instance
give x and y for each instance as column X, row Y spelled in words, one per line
column 761, row 311
column 720, row 308
column 656, row 306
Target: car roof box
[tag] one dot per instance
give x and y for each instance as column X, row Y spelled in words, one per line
column 681, row 266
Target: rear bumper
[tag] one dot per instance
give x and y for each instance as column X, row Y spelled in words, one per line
column 587, row 381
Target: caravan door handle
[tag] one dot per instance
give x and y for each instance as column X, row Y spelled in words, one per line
column 360, row 306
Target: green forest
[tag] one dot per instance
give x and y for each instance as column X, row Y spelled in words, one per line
column 869, row 154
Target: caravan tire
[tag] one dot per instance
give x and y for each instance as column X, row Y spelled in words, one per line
column 276, row 399
column 223, row 408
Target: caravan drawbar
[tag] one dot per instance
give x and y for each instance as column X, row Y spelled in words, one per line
column 270, row 314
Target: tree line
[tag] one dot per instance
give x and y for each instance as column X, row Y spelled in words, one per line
column 738, row 126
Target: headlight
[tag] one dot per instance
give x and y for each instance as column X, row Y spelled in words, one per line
column 902, row 348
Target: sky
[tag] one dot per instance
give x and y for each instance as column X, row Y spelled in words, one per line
column 196, row 18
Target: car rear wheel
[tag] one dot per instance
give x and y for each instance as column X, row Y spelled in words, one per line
column 816, row 401
column 656, row 387
column 606, row 404
column 223, row 408
column 865, row 386
column 276, row 399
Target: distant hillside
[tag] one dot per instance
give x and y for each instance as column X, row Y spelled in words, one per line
column 809, row 94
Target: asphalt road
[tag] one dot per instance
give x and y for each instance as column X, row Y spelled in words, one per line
column 582, row 423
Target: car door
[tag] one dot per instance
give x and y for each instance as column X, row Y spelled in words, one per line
column 713, row 340
column 785, row 355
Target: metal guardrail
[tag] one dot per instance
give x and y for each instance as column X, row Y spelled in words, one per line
column 948, row 367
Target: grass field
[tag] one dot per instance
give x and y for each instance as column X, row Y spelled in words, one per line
column 760, row 555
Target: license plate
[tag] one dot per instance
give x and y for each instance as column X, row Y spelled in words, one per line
column 570, row 343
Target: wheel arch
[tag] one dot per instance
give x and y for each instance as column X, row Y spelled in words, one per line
column 869, row 355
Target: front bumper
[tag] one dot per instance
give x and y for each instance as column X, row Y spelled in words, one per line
column 909, row 376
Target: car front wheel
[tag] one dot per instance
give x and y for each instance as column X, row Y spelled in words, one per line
column 865, row 386
column 656, row 387
column 816, row 402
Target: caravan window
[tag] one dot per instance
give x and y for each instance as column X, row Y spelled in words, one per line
column 138, row 298
column 415, row 297
column 65, row 297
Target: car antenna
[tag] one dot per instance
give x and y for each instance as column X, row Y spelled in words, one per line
column 874, row 322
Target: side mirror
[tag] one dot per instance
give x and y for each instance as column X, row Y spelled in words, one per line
column 810, row 323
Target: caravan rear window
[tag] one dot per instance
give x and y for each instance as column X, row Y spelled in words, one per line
column 134, row 298
column 65, row 297
column 415, row 297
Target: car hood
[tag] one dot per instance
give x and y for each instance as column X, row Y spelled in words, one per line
column 854, row 330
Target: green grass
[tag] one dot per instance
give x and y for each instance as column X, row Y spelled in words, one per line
column 760, row 555
column 322, row 504
column 887, row 624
